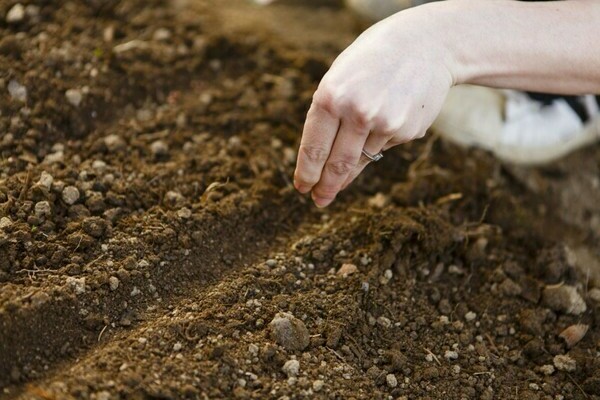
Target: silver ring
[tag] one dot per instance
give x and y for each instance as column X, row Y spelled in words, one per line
column 373, row 157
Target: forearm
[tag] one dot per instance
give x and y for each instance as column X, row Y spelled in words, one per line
column 541, row 46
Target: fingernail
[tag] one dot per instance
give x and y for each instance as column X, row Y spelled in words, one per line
column 302, row 188
column 321, row 202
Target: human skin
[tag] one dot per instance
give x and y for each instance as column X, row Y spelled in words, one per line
column 389, row 85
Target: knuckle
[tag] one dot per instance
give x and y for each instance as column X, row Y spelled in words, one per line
column 314, row 154
column 340, row 167
column 387, row 127
column 323, row 102
column 359, row 114
column 325, row 99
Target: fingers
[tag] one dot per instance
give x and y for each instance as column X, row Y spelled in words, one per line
column 318, row 138
column 374, row 144
column 344, row 158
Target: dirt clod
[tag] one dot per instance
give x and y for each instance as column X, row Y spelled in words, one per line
column 291, row 368
column 391, row 380
column 564, row 363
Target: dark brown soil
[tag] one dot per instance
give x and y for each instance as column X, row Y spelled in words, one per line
column 185, row 238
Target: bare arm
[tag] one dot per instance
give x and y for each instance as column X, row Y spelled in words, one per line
column 388, row 87
column 546, row 47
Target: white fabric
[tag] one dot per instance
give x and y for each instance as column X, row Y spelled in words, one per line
column 511, row 125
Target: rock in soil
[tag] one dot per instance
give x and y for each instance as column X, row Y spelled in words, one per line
column 70, row 195
column 289, row 332
column 291, row 368
column 564, row 298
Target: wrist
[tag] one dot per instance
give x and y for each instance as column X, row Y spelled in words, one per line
column 431, row 32
column 449, row 24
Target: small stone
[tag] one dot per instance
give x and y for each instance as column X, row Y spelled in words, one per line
column 135, row 291
column 161, row 34
column 564, row 363
column 74, row 96
column 253, row 349
column 54, row 158
column 159, row 149
column 508, row 287
column 99, row 166
column 564, row 299
column 39, row 298
column 387, row 276
column 451, row 355
column 291, row 368
column 46, row 180
column 534, row 386
column 391, row 380
column 347, row 269
column 103, row 395
column 384, row 322
column 17, row 91
column 184, row 213
column 16, row 14
column 289, row 332
column 177, row 346
column 318, row 385
column 114, row 142
column 547, row 369
column 42, row 209
column 113, row 283
column 289, row 156
column 5, row 222
column 271, row 263
column 174, row 199
column 70, row 195
column 131, row 45
column 455, row 270
column 76, row 284
column 379, row 201
column 470, row 316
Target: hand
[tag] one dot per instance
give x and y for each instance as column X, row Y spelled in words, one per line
column 385, row 89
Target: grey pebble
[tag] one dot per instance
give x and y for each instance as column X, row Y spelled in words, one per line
column 289, row 332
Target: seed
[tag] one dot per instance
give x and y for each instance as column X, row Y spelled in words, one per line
column 573, row 334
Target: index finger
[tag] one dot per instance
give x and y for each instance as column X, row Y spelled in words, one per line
column 320, row 130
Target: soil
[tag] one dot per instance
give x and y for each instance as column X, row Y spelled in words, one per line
column 150, row 232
